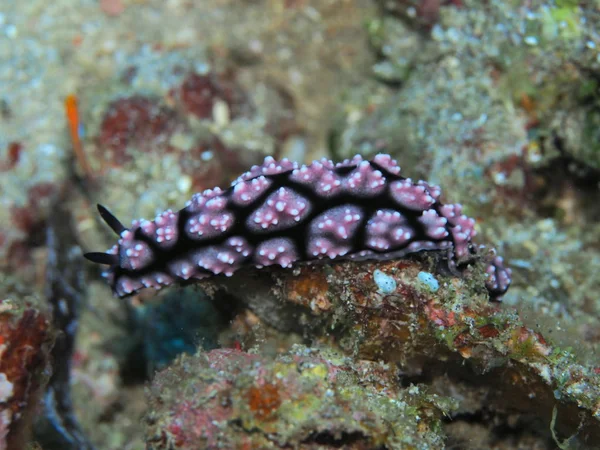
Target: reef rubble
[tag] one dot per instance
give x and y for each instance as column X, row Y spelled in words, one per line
column 426, row 343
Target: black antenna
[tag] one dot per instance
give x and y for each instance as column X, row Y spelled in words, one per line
column 102, row 258
column 111, row 220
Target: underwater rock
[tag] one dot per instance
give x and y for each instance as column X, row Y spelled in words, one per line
column 303, row 399
column 451, row 332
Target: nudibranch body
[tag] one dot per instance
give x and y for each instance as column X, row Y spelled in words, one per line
column 282, row 213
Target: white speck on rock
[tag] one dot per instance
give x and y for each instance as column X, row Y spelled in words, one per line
column 6, row 388
column 385, row 283
column 429, row 280
column 531, row 40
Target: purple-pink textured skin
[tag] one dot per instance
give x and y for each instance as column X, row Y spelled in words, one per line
column 280, row 213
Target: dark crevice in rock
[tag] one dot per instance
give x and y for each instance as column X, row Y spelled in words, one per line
column 340, row 440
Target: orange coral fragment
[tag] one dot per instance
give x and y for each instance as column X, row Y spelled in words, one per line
column 310, row 288
column 488, row 331
column 440, row 316
column 263, row 400
column 72, row 113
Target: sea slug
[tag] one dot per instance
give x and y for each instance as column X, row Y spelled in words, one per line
column 282, row 213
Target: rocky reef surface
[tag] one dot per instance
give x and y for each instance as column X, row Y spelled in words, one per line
column 139, row 104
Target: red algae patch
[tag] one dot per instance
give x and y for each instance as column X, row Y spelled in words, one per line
column 13, row 153
column 137, row 121
column 112, row 8
column 199, row 93
column 25, row 339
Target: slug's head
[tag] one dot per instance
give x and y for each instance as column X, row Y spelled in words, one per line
column 111, row 257
column 130, row 261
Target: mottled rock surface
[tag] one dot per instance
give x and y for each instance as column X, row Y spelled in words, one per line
column 496, row 101
column 304, row 398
